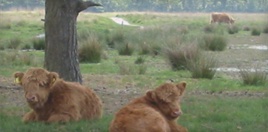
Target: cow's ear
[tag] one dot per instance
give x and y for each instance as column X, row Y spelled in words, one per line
column 18, row 76
column 52, row 77
column 181, row 86
column 150, row 95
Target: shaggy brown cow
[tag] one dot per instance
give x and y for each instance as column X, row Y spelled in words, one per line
column 54, row 100
column 221, row 18
column 157, row 111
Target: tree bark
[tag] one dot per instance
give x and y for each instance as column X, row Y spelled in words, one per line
column 61, row 54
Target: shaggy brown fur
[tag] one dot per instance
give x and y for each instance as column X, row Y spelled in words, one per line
column 157, row 111
column 55, row 100
column 221, row 18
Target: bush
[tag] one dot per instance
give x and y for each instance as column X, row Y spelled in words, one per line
column 140, row 60
column 39, row 43
column 125, row 49
column 178, row 55
column 246, row 28
column 265, row 30
column 19, row 59
column 14, row 43
column 202, row 67
column 129, row 69
column 233, row 29
column 90, row 51
column 213, row 42
column 209, row 28
column 26, row 47
column 115, row 38
column 255, row 32
column 255, row 77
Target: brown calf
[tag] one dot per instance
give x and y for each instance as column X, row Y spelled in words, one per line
column 54, row 100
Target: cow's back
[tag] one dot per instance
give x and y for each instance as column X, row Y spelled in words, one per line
column 75, row 96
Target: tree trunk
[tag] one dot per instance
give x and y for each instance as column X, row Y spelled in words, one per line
column 61, row 54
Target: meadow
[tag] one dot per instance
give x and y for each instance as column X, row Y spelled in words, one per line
column 160, row 47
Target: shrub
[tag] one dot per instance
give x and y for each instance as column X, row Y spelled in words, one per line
column 246, row 28
column 265, row 30
column 209, row 28
column 255, row 32
column 26, row 47
column 14, row 43
column 202, row 66
column 255, row 77
column 129, row 69
column 125, row 49
column 145, row 49
column 19, row 58
column 142, row 69
column 213, row 42
column 38, row 43
column 178, row 55
column 90, row 51
column 233, row 29
column 115, row 38
column 140, row 60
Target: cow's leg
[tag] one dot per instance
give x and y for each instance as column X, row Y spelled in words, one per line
column 176, row 127
column 59, row 118
column 30, row 116
column 65, row 116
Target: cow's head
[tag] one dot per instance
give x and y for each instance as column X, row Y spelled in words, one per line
column 167, row 98
column 36, row 83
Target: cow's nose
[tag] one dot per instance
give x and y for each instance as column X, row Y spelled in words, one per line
column 176, row 113
column 31, row 99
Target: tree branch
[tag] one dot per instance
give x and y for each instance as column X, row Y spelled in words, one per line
column 82, row 5
column 10, row 87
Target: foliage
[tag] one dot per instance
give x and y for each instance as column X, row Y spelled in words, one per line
column 140, row 60
column 16, row 58
column 179, row 55
column 233, row 29
column 213, row 42
column 125, row 49
column 202, row 67
column 38, row 43
column 255, row 32
column 90, row 51
column 14, row 43
column 265, row 29
column 253, row 77
column 159, row 6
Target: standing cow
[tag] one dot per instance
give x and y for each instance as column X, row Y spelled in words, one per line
column 54, row 100
column 221, row 18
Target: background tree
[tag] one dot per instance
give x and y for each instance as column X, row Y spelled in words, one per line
column 61, row 37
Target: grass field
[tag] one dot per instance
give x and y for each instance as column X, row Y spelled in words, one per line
column 220, row 104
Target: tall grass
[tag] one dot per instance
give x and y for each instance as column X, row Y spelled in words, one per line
column 255, row 32
column 178, row 55
column 253, row 77
column 90, row 51
column 202, row 67
column 16, row 58
column 213, row 42
column 125, row 49
column 14, row 43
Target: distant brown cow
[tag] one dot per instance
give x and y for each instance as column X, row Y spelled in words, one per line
column 54, row 100
column 157, row 111
column 221, row 18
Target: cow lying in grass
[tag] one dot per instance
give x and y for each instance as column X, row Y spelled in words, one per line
column 54, row 100
column 157, row 111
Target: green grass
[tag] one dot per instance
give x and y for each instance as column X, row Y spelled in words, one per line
column 204, row 112
column 14, row 124
column 218, row 113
